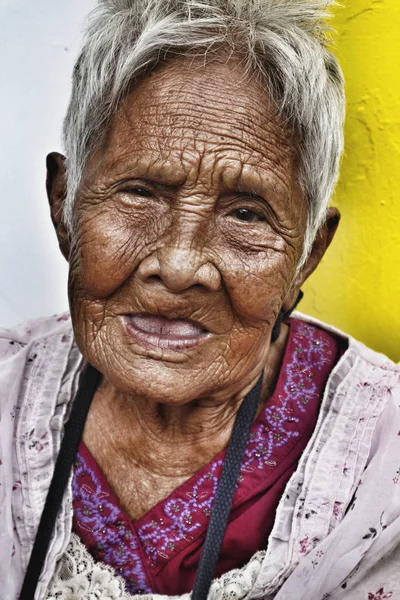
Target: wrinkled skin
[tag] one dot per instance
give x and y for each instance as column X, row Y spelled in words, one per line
column 190, row 208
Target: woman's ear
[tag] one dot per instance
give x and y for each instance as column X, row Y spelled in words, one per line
column 321, row 243
column 56, row 192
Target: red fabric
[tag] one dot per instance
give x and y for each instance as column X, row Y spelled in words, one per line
column 160, row 552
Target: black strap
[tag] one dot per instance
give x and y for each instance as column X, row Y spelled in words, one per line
column 223, row 500
column 283, row 315
column 88, row 383
column 225, row 491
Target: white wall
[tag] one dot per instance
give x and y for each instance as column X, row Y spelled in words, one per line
column 39, row 41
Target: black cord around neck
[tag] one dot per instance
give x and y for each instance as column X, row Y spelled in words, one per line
column 88, row 383
column 225, row 492
column 283, row 315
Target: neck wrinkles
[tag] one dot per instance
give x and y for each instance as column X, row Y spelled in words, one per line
column 167, row 439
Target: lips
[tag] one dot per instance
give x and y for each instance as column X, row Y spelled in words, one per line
column 173, row 334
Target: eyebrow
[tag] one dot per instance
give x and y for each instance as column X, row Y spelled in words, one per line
column 255, row 184
column 145, row 166
column 233, row 178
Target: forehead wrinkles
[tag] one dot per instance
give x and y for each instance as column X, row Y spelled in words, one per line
column 192, row 120
column 211, row 118
column 208, row 166
column 195, row 141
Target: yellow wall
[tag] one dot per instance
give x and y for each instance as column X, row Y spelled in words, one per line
column 357, row 286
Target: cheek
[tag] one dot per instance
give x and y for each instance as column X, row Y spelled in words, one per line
column 257, row 286
column 107, row 250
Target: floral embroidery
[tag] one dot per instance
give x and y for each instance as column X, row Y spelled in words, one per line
column 312, row 352
column 372, row 533
column 396, row 478
column 63, row 317
column 338, row 510
column 318, row 555
column 268, row 436
column 38, row 444
column 14, row 411
column 305, row 545
column 380, row 595
column 102, row 519
column 160, row 538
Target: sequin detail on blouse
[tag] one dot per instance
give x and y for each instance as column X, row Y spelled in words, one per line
column 97, row 515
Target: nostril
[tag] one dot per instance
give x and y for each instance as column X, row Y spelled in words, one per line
column 154, row 278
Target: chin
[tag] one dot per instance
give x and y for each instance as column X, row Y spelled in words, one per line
column 160, row 382
column 168, row 373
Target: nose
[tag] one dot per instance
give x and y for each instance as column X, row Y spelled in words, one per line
column 179, row 269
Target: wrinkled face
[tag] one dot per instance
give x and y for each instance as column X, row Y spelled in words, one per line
column 189, row 227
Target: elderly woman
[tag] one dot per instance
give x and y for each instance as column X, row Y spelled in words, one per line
column 180, row 425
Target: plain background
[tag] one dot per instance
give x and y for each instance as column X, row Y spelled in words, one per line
column 357, row 286
column 39, row 42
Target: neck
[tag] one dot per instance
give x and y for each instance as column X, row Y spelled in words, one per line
column 169, row 440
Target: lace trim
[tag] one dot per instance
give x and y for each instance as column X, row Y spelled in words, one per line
column 77, row 575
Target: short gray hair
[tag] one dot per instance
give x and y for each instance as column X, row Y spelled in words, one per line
column 284, row 42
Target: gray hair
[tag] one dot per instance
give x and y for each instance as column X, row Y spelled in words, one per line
column 284, row 42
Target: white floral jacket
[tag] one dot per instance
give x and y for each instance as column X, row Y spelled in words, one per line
column 337, row 528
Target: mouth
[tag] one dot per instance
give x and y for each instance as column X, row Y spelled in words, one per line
column 168, row 334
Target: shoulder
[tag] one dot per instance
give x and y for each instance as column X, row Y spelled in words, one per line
column 33, row 348
column 16, row 344
column 356, row 350
column 39, row 367
column 32, row 354
column 367, row 383
column 31, row 331
column 367, row 379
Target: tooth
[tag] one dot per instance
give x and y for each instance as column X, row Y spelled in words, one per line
column 159, row 325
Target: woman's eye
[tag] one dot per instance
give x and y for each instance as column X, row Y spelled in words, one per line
column 244, row 214
column 139, row 191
